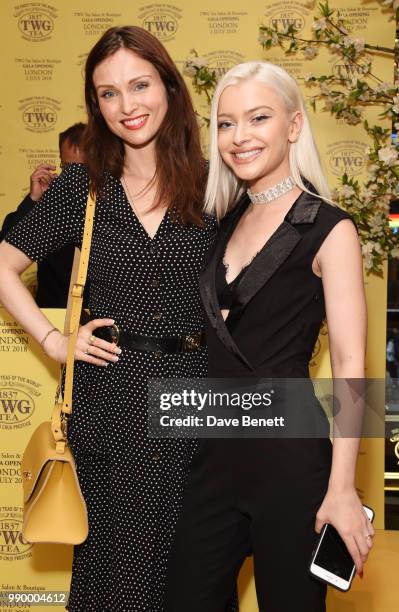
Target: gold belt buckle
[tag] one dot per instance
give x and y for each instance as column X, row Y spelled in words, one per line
column 115, row 334
column 192, row 342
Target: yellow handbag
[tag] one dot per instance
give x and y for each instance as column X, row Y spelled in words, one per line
column 54, row 508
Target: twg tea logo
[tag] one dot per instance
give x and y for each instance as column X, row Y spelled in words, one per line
column 348, row 69
column 17, row 401
column 35, row 21
column 346, row 157
column 281, row 15
column 39, row 114
column 13, row 546
column 222, row 61
column 16, row 406
column 161, row 20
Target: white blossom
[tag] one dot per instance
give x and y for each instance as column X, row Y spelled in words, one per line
column 388, row 155
column 325, row 89
column 367, row 247
column 376, row 223
column 351, row 117
column 200, row 121
column 310, row 52
column 347, row 191
column 368, row 261
column 367, row 194
column 319, row 25
column 192, row 65
column 384, row 87
column 365, row 67
column 357, row 43
column 395, row 106
column 364, row 96
column 367, row 252
column 189, row 70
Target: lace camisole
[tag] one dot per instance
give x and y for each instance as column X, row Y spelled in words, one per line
column 225, row 291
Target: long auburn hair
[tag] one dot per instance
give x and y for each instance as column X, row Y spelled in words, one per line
column 180, row 166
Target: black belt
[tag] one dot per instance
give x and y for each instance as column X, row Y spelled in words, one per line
column 179, row 344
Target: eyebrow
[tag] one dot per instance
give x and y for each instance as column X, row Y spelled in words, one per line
column 248, row 112
column 143, row 76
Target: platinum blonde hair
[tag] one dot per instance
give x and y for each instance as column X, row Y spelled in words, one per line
column 224, row 189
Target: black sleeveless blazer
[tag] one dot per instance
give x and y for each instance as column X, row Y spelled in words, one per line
column 278, row 306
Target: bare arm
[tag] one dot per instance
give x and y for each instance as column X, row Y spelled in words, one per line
column 15, row 296
column 340, row 262
column 18, row 301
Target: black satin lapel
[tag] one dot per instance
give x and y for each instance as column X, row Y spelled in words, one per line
column 207, row 280
column 207, row 275
column 205, row 283
column 265, row 264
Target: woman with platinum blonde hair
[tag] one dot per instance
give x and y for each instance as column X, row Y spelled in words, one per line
column 284, row 259
column 224, row 186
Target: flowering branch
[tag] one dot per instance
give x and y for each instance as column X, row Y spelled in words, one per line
column 203, row 79
column 345, row 93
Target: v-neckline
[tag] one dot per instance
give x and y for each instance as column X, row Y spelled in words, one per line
column 138, row 221
column 246, row 267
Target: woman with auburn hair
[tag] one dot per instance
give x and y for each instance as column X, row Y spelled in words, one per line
column 145, row 166
column 285, row 257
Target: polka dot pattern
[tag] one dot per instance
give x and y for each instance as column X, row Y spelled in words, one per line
column 133, row 485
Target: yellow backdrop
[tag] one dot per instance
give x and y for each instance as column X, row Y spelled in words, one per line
column 44, row 46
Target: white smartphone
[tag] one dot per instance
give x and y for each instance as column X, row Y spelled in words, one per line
column 331, row 561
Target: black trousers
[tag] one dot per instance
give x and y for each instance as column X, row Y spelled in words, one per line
column 250, row 496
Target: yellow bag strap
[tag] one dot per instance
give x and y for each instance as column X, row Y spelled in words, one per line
column 73, row 320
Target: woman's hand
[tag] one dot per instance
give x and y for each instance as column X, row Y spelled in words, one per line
column 88, row 348
column 344, row 511
column 40, row 180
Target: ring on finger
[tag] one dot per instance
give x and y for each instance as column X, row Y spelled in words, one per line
column 92, row 339
column 86, row 352
column 369, row 537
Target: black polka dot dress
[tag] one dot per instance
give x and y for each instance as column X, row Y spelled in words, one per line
column 133, row 485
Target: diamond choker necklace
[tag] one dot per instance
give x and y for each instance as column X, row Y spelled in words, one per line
column 263, row 197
